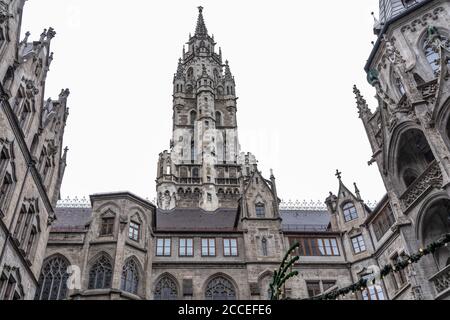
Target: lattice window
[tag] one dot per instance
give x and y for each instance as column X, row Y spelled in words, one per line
column 260, row 210
column 100, row 274
column 53, row 280
column 134, row 231
column 220, row 288
column 130, row 277
column 350, row 212
column 166, row 289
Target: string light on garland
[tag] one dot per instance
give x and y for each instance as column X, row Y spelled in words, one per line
column 361, row 285
column 280, row 277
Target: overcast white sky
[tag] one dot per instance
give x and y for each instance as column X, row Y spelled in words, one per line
column 294, row 62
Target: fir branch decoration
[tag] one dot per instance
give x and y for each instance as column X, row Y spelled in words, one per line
column 387, row 269
column 279, row 276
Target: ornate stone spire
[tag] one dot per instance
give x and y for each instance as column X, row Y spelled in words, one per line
column 361, row 103
column 201, row 30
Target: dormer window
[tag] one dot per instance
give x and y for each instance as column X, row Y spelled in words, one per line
column 349, row 212
column 107, row 226
column 134, row 231
column 260, row 210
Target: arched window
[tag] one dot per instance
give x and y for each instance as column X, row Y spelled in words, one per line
column 192, row 150
column 193, row 117
column 53, row 280
column 260, row 210
column 5, row 189
column 220, row 288
column 166, row 289
column 100, row 274
column 432, row 57
column 400, row 86
column 264, row 250
column 130, row 277
column 218, row 118
column 349, row 212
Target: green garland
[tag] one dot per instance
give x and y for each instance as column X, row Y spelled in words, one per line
column 280, row 277
column 396, row 267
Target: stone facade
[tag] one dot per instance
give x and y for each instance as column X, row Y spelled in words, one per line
column 32, row 158
column 218, row 230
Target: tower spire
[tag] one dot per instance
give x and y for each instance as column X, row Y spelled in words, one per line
column 201, row 30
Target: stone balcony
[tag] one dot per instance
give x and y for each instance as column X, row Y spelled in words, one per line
column 441, row 283
column 431, row 177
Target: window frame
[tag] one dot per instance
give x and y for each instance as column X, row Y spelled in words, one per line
column 230, row 240
column 104, row 226
column 358, row 238
column 186, row 247
column 209, row 247
column 351, row 217
column 307, row 249
column 258, row 207
column 135, row 231
column 164, row 246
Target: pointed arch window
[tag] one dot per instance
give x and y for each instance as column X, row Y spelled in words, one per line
column 218, row 118
column 350, row 212
column 52, row 283
column 264, row 249
column 193, row 117
column 100, row 274
column 220, row 288
column 432, row 56
column 166, row 289
column 130, row 277
column 260, row 210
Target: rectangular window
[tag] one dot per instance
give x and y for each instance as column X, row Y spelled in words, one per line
column 107, row 227
column 373, row 293
column 358, row 244
column 383, row 222
column 327, row 285
column 260, row 210
column 209, row 247
column 399, row 278
column 317, row 247
column 163, row 247
column 186, row 247
column 313, row 288
column 230, row 248
column 134, row 231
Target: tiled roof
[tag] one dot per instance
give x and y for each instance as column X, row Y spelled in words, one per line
column 305, row 220
column 196, row 220
column 71, row 219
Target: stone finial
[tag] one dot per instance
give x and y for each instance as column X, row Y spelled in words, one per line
column 358, row 194
column 338, row 174
column 201, row 29
column 361, row 103
column 51, row 33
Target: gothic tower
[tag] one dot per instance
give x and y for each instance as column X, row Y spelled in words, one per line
column 410, row 130
column 204, row 167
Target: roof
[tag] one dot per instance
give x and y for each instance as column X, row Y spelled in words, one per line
column 71, row 219
column 196, row 220
column 305, row 220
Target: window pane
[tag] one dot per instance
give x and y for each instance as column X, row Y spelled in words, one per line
column 321, row 246
column 335, row 247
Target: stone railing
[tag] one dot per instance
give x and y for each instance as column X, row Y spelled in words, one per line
column 305, row 227
column 431, row 177
column 441, row 280
column 312, row 205
column 428, row 89
column 227, row 181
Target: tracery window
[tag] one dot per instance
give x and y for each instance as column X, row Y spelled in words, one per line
column 166, row 289
column 220, row 288
column 130, row 277
column 5, row 189
column 100, row 274
column 107, row 226
column 53, row 280
column 432, row 57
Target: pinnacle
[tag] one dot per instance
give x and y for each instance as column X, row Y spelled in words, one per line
column 201, row 27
